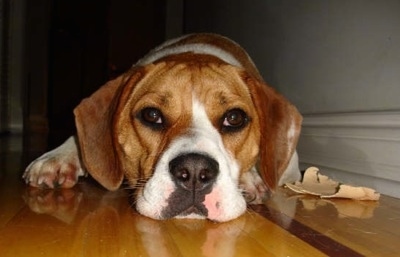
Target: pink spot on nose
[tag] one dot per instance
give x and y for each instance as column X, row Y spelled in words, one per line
column 211, row 202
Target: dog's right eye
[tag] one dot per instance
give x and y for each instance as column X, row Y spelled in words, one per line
column 234, row 120
column 152, row 117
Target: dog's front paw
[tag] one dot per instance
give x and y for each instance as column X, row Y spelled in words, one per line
column 254, row 189
column 58, row 168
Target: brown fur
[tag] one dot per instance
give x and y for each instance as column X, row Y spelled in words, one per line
column 114, row 143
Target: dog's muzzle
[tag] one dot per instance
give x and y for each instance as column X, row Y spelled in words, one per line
column 194, row 175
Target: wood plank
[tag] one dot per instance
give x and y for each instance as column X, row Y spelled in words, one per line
column 366, row 227
column 90, row 221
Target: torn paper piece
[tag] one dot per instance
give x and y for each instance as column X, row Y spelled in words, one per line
column 315, row 183
column 358, row 193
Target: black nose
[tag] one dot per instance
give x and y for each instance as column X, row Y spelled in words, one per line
column 194, row 171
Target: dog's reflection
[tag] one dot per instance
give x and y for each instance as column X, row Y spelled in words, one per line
column 105, row 224
column 346, row 208
column 61, row 204
column 97, row 222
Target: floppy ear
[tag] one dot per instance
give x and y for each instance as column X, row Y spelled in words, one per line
column 280, row 124
column 94, row 122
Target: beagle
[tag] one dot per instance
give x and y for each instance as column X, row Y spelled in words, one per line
column 192, row 127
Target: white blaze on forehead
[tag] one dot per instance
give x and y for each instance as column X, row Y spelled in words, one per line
column 209, row 140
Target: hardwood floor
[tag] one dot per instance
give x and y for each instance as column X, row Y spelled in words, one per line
column 89, row 221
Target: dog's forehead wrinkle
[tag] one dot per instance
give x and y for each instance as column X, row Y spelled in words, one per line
column 210, row 81
column 168, row 74
column 223, row 88
column 162, row 98
column 165, row 97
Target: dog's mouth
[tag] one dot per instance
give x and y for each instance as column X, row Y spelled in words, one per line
column 182, row 206
column 195, row 210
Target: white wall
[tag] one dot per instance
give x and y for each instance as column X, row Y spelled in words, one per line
column 326, row 56
column 337, row 56
column 338, row 61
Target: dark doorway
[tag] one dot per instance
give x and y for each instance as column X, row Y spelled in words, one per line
column 89, row 42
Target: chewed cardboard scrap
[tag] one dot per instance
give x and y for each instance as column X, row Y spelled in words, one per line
column 314, row 183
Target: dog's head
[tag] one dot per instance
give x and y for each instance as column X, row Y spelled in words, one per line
column 183, row 131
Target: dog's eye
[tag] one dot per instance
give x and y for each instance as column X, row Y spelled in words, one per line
column 234, row 120
column 152, row 117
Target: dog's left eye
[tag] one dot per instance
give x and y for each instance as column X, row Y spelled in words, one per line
column 234, row 120
column 152, row 117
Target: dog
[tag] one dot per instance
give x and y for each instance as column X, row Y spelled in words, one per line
column 192, row 127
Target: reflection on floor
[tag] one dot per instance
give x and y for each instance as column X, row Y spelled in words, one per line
column 89, row 221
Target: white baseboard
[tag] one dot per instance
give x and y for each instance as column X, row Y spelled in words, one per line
column 358, row 148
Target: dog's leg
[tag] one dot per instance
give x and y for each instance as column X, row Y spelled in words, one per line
column 254, row 188
column 60, row 167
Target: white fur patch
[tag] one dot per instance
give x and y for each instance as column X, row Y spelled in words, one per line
column 292, row 131
column 197, row 48
column 292, row 172
column 60, row 166
column 225, row 201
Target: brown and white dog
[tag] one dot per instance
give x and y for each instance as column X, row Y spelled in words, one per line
column 192, row 127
